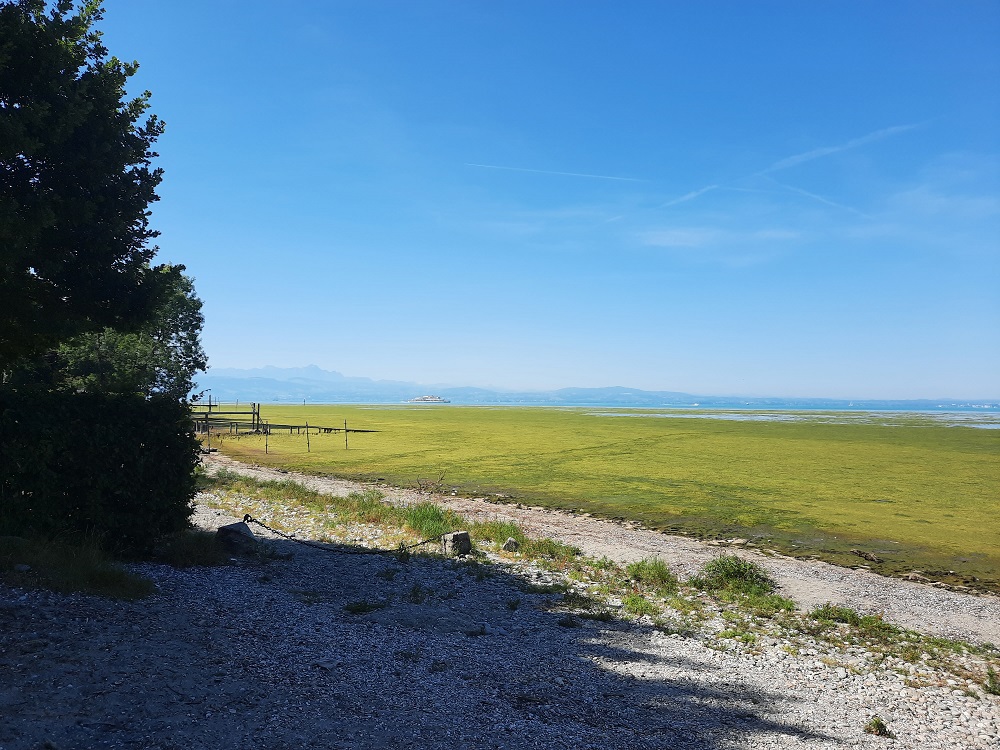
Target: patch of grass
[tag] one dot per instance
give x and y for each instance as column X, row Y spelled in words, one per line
column 551, row 549
column 497, row 532
column 363, row 607
column 68, row 566
column 878, row 727
column 733, row 574
column 475, row 569
column 655, row 573
column 638, row 605
column 835, row 613
column 368, row 507
column 769, row 605
column 992, row 684
column 428, row 520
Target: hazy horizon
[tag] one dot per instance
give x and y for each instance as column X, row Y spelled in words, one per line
column 502, row 389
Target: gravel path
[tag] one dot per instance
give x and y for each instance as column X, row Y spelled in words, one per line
column 267, row 654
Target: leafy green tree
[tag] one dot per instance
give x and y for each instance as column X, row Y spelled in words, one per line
column 97, row 346
column 76, row 182
column 161, row 358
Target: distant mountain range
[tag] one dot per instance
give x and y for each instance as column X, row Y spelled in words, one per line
column 315, row 385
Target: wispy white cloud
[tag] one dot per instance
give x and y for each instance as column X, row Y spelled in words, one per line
column 563, row 174
column 818, row 153
column 690, row 196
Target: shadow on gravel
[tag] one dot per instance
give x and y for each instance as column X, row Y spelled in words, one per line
column 339, row 650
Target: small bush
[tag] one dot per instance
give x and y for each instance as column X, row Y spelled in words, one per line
column 653, row 572
column 418, row 594
column 363, row 607
column 736, row 575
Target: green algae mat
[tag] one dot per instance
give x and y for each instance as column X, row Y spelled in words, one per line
column 917, row 492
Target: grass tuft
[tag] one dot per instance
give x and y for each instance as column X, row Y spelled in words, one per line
column 637, row 604
column 735, row 575
column 498, row 532
column 992, row 684
column 654, row 572
column 429, row 520
column 835, row 613
column 878, row 727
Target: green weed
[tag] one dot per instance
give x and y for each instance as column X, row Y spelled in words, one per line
column 878, row 727
column 735, row 575
column 992, row 684
column 655, row 573
column 637, row 604
column 497, row 532
column 835, row 613
column 428, row 520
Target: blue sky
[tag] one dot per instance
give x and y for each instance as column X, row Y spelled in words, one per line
column 771, row 198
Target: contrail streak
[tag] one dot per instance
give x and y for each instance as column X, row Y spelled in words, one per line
column 563, row 174
column 818, row 153
column 819, row 198
column 690, row 196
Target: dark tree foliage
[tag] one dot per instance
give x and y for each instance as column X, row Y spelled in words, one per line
column 161, row 358
column 117, row 468
column 75, row 182
column 97, row 347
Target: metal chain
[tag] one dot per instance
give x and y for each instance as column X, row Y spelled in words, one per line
column 353, row 550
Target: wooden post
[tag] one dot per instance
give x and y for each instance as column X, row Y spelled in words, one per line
column 308, row 449
column 345, row 434
column 266, row 433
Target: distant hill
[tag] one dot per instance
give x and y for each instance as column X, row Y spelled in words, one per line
column 315, row 385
